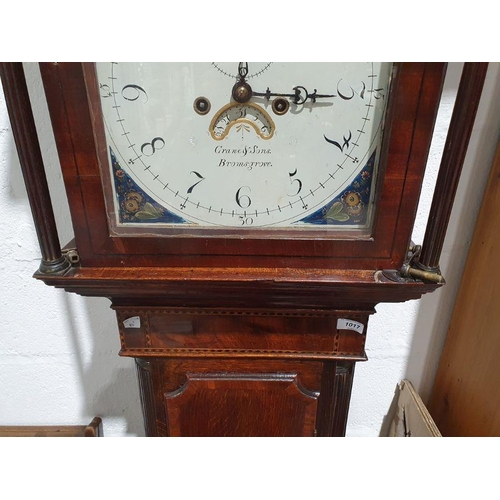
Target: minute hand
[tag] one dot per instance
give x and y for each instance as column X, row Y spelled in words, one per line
column 300, row 95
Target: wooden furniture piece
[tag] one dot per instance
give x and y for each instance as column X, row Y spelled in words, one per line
column 242, row 331
column 412, row 419
column 466, row 395
column 94, row 429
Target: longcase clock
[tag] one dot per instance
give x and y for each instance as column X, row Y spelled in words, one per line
column 244, row 219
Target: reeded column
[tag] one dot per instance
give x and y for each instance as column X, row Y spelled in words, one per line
column 455, row 149
column 30, row 157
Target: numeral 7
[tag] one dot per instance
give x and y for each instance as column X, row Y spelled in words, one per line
column 190, row 190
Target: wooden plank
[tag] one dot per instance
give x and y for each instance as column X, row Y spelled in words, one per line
column 466, row 396
column 412, row 418
column 94, row 429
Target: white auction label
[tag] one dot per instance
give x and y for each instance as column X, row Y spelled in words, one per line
column 133, row 322
column 350, row 324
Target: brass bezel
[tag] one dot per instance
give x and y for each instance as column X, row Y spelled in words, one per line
column 199, row 111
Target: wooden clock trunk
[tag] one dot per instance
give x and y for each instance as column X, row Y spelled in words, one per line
column 245, row 336
column 243, row 372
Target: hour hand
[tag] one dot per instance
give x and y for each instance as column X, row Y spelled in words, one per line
column 300, row 95
column 243, row 70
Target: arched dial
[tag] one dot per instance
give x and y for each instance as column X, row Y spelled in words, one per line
column 301, row 149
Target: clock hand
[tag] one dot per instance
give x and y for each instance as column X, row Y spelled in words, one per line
column 242, row 70
column 242, row 92
column 296, row 97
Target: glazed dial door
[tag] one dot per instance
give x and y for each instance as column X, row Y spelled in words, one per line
column 233, row 146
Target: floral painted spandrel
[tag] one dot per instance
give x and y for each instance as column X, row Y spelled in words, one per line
column 351, row 206
column 135, row 206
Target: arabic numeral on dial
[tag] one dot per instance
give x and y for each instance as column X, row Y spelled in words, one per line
column 344, row 95
column 246, row 221
column 297, row 183
column 346, row 143
column 150, row 148
column 190, row 190
column 243, row 200
column 133, row 92
column 105, row 90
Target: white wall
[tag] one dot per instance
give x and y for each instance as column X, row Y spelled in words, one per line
column 59, row 360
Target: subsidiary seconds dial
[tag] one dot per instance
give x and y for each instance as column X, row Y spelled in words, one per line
column 219, row 162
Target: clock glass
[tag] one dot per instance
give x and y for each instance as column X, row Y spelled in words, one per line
column 232, row 147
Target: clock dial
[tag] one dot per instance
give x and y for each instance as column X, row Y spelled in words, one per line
column 298, row 148
column 244, row 117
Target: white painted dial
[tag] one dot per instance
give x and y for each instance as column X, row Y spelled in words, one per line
column 243, row 165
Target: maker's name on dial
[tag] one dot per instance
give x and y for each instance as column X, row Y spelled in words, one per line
column 244, row 151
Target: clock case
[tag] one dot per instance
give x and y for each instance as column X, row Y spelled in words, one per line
column 74, row 105
column 245, row 336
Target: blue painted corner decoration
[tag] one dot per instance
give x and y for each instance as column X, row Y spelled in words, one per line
column 350, row 207
column 134, row 205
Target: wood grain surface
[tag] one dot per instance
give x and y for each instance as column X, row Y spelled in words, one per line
column 466, row 396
